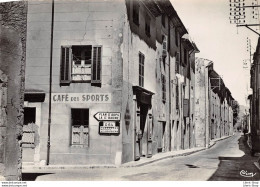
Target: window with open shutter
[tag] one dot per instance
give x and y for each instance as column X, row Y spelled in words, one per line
column 163, row 88
column 141, row 69
column 96, row 65
column 65, row 65
column 185, row 107
column 81, row 64
column 177, row 97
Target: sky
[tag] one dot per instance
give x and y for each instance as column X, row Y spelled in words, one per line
column 208, row 24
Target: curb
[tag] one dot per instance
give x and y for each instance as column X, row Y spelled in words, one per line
column 158, row 159
column 65, row 167
column 121, row 166
column 181, row 154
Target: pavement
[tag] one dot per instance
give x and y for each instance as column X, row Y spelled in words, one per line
column 226, row 160
column 28, row 167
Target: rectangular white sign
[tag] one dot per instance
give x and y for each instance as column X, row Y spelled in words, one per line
column 108, row 116
column 81, row 97
column 109, row 127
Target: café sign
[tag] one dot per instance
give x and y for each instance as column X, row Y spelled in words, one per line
column 81, row 98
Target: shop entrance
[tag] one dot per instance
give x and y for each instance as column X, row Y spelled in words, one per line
column 29, row 129
column 161, row 137
column 143, row 123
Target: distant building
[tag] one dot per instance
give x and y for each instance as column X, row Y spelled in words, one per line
column 213, row 104
column 254, row 103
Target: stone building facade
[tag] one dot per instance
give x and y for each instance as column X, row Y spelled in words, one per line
column 213, row 109
column 12, row 66
column 254, row 103
column 130, row 58
column 125, row 83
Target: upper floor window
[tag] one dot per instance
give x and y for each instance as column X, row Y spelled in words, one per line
column 80, row 64
column 177, row 97
column 177, row 66
column 163, row 88
column 185, row 57
column 147, row 26
column 176, row 37
column 165, row 46
column 136, row 12
column 141, row 70
column 163, row 20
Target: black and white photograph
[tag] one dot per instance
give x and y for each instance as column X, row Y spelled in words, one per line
column 130, row 90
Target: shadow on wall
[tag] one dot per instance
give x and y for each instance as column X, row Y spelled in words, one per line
column 32, row 176
column 236, row 168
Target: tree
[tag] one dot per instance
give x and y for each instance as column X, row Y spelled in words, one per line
column 235, row 108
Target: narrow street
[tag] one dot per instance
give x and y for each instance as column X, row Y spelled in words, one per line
column 223, row 162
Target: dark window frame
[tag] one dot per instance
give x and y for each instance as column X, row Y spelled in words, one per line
column 135, row 12
column 163, row 19
column 163, row 88
column 83, row 126
column 148, row 26
column 141, row 69
column 176, row 37
column 67, row 62
column 177, row 96
column 177, row 62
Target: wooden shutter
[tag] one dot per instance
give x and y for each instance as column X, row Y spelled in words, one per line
column 65, row 65
column 185, row 107
column 96, row 65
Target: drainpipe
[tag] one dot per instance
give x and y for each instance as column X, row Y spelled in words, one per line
column 170, row 91
column 190, row 100
column 181, row 107
column 50, row 86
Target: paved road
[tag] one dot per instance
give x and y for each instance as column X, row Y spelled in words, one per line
column 224, row 161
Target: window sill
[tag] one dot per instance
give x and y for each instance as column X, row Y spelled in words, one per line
column 81, row 81
column 79, row 146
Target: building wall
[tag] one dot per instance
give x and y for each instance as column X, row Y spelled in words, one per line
column 201, row 103
column 76, row 23
column 12, row 66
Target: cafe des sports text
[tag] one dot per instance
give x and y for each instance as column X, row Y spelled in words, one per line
column 81, row 97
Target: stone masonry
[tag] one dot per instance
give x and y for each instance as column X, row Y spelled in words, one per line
column 13, row 16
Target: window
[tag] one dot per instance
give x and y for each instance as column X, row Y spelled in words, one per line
column 177, row 97
column 80, row 64
column 163, row 20
column 177, row 57
column 136, row 12
column 164, row 52
column 163, row 88
column 29, row 127
column 185, row 107
column 147, row 26
column 80, row 127
column 176, row 37
column 141, row 70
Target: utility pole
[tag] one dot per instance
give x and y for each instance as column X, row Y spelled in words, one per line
column 50, row 87
column 238, row 14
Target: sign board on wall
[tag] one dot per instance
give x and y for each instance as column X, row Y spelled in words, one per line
column 109, row 122
column 109, row 128
column 81, row 97
column 108, row 116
